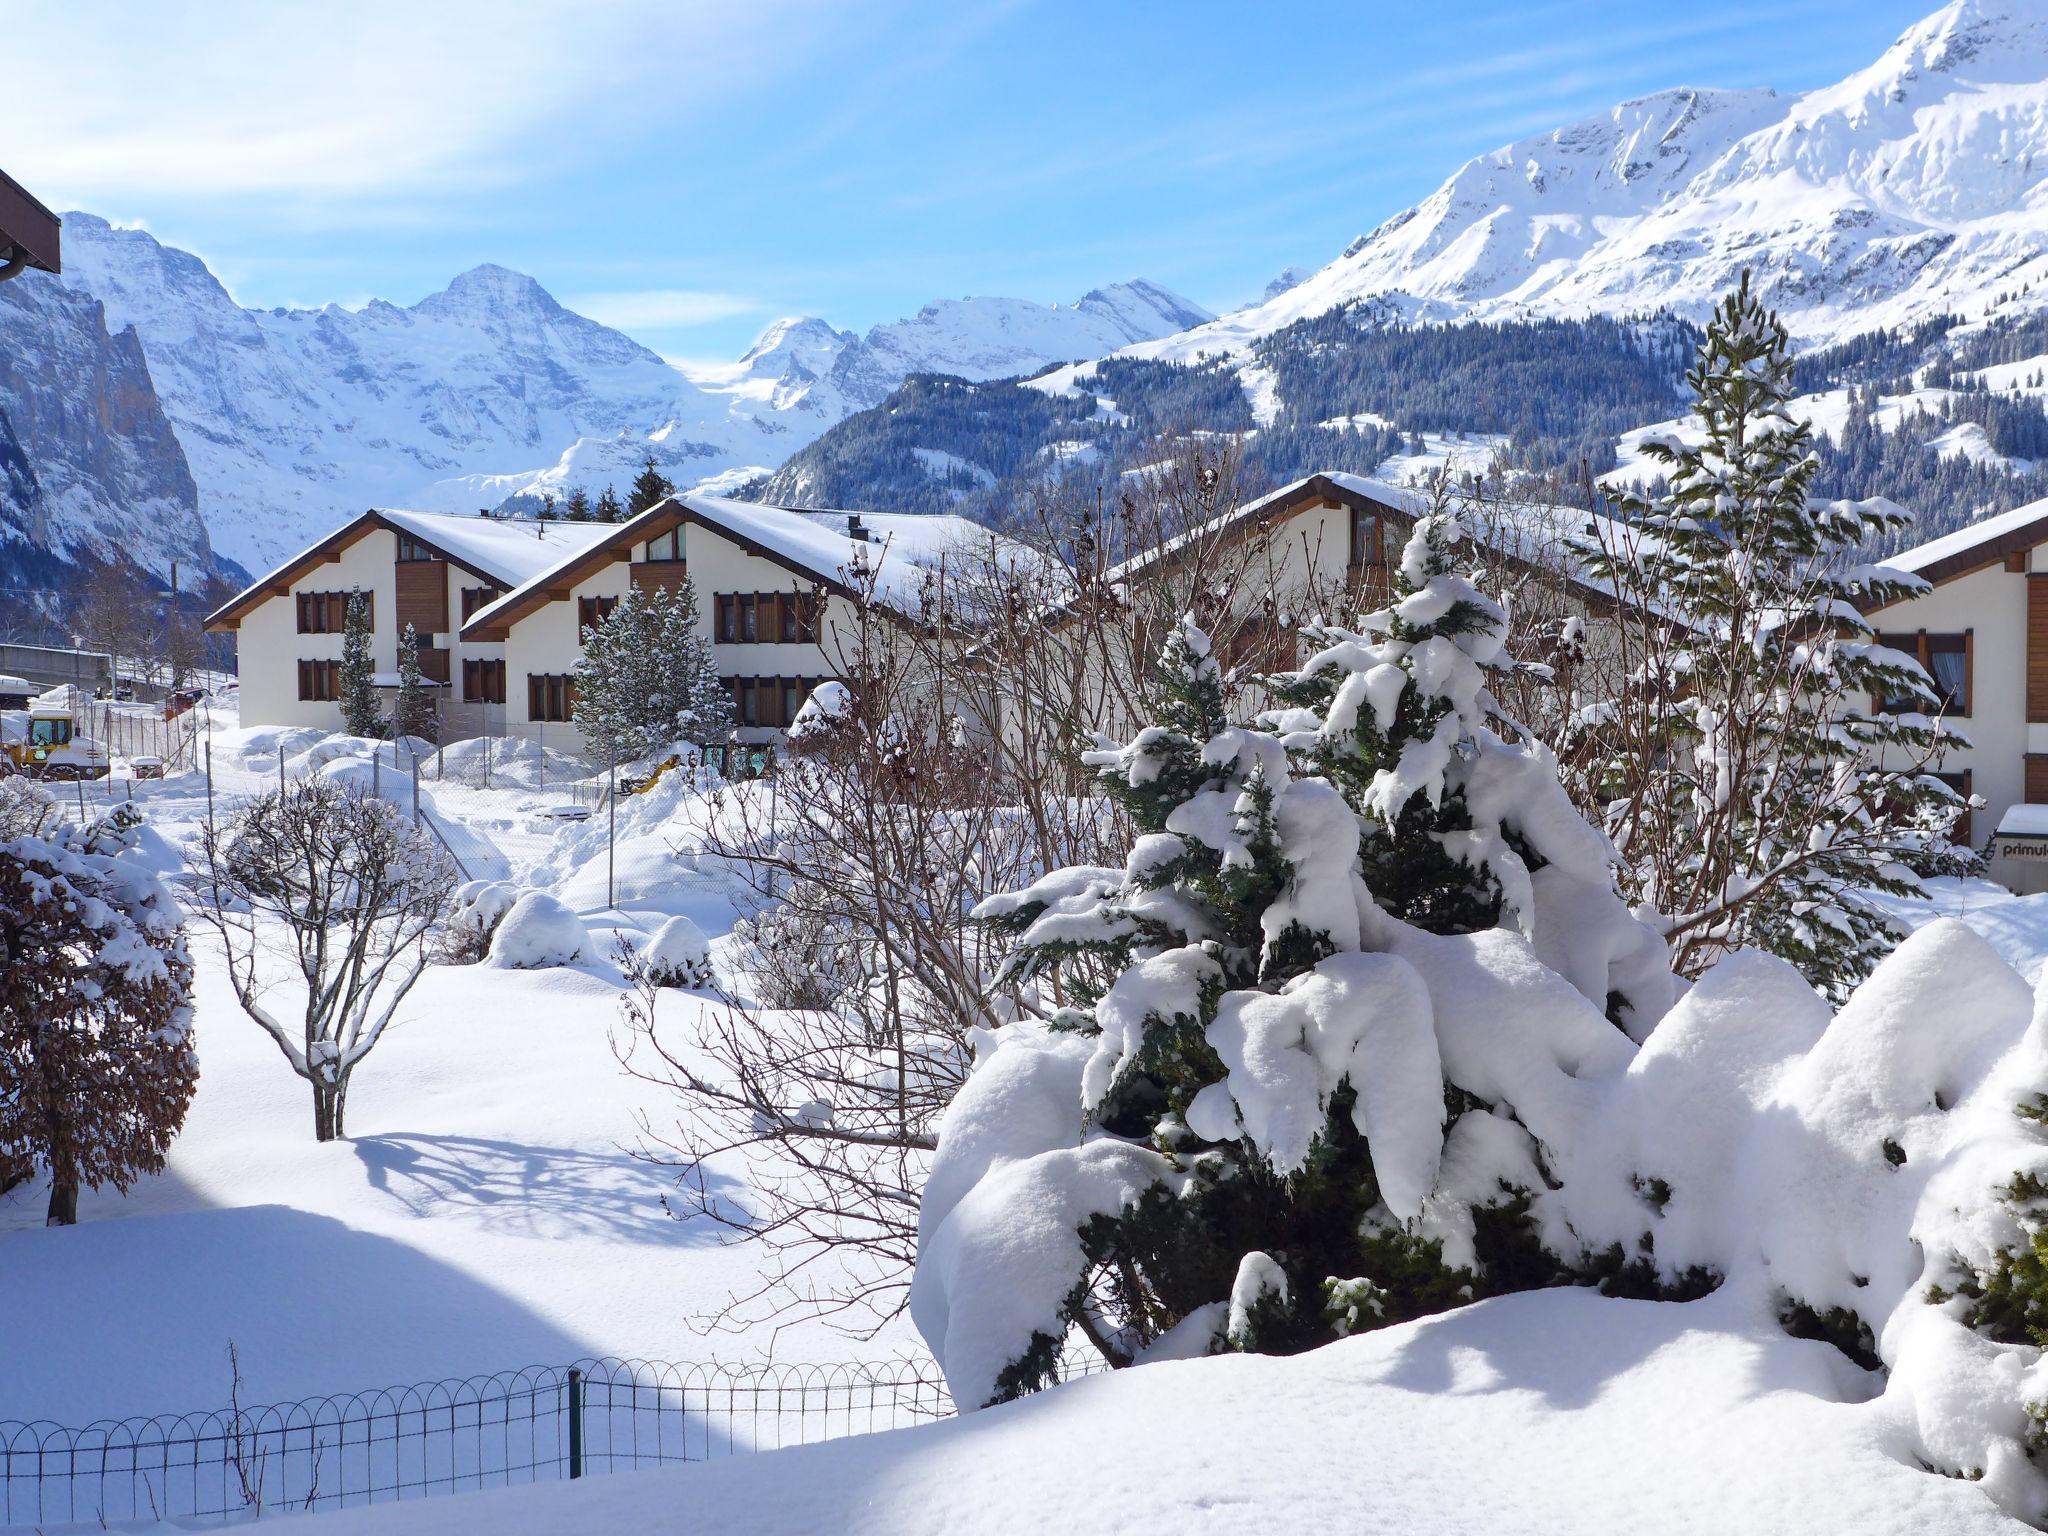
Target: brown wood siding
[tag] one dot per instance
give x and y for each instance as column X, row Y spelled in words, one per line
column 434, row 663
column 27, row 224
column 2037, row 648
column 652, row 576
column 423, row 596
column 2036, row 788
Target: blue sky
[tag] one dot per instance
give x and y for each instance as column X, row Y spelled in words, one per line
column 689, row 172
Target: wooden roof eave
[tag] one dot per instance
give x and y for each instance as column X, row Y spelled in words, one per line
column 278, row 583
column 669, row 513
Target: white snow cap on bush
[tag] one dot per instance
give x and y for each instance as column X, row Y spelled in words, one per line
column 537, row 933
column 479, row 905
column 678, row 955
column 997, row 1249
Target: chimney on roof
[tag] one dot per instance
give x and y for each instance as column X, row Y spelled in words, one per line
column 855, row 529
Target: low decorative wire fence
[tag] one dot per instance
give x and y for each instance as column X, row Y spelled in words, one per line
column 535, row 1425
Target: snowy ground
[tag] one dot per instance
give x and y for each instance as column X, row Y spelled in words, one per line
column 1555, row 1413
column 484, row 1213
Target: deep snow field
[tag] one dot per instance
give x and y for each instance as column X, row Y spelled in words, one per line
column 1549, row 1414
column 486, row 1212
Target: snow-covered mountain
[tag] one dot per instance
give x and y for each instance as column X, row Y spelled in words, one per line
column 990, row 338
column 488, row 390
column 1916, row 186
column 90, row 467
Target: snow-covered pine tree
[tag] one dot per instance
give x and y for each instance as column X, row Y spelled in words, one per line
column 1391, row 703
column 96, row 1059
column 649, row 486
column 703, row 713
column 648, row 678
column 1263, row 1098
column 1762, row 789
column 414, row 713
column 359, row 713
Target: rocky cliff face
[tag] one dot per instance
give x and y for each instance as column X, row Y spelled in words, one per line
column 90, row 466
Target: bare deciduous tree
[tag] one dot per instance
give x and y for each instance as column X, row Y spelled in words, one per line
column 343, row 891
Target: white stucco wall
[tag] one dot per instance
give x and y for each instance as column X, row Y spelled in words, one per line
column 1991, row 605
column 269, row 646
column 548, row 641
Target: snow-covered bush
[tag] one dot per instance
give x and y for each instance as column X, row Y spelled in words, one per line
column 27, row 809
column 539, row 932
column 473, row 917
column 1277, row 1113
column 97, row 1066
column 1287, row 1069
column 678, row 955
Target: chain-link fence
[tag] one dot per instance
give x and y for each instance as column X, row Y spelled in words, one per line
column 535, row 1425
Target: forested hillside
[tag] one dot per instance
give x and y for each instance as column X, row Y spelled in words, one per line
column 1946, row 420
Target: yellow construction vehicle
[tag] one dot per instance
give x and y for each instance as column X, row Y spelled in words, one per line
column 44, row 742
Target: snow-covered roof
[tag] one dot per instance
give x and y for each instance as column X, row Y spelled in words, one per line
column 513, row 550
column 1531, row 532
column 1963, row 541
column 504, row 551
column 897, row 548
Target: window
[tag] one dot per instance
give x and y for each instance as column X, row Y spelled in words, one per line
column 320, row 681
column 477, row 598
column 1367, row 538
column 550, row 696
column 411, row 550
column 49, row 733
column 769, row 701
column 593, row 611
column 1946, row 658
column 483, row 682
column 326, row 613
column 668, row 547
column 788, row 618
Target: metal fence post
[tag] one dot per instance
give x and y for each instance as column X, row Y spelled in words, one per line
column 575, row 1422
column 611, row 836
column 280, row 768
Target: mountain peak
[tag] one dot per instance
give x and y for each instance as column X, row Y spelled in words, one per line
column 1990, row 40
column 492, row 286
column 801, row 342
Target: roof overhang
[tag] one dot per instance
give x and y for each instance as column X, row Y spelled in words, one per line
column 28, row 230
column 1996, row 550
column 279, row 582
column 671, row 512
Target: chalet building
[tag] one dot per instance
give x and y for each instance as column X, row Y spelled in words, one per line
column 1328, row 545
column 500, row 605
column 1981, row 631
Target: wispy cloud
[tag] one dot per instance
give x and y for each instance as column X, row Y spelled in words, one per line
column 358, row 106
column 655, row 309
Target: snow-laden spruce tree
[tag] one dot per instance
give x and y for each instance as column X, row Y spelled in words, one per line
column 1291, row 1110
column 359, row 713
column 96, row 1060
column 414, row 712
column 1765, row 764
column 648, row 678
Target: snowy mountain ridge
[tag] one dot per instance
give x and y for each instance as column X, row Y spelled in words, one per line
column 292, row 419
column 1912, row 188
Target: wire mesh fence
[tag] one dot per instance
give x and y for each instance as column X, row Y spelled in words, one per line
column 534, row 1425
